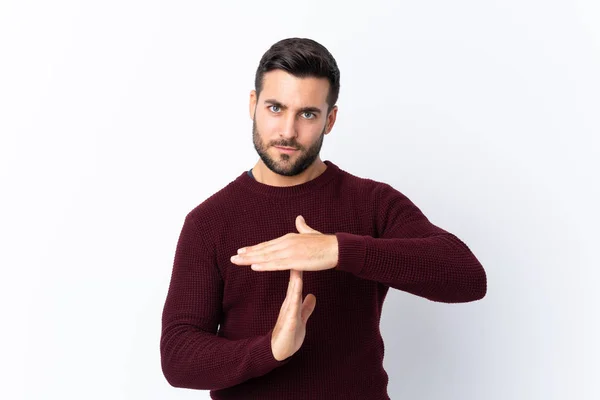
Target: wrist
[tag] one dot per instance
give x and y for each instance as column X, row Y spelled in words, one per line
column 334, row 251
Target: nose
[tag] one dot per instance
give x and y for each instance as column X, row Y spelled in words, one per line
column 288, row 127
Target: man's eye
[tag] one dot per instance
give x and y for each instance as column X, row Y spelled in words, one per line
column 309, row 113
column 271, row 107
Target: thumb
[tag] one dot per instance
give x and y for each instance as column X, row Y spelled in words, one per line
column 303, row 227
column 308, row 306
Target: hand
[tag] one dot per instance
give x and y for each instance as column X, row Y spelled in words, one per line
column 290, row 329
column 309, row 250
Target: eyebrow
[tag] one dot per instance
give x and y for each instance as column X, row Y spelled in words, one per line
column 274, row 102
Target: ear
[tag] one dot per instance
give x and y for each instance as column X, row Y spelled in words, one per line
column 252, row 105
column 331, row 119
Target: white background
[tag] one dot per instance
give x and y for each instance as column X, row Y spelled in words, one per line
column 118, row 117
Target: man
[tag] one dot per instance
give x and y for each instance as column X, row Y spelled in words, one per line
column 235, row 321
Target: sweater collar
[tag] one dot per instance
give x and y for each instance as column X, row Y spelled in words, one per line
column 250, row 183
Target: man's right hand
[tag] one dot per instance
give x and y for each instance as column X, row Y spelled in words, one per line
column 290, row 328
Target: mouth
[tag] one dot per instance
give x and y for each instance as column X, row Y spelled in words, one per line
column 286, row 149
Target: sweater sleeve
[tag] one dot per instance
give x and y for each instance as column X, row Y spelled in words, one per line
column 412, row 254
column 192, row 355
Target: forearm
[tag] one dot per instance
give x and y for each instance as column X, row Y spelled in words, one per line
column 195, row 359
column 439, row 267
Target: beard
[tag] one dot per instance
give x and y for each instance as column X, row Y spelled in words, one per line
column 284, row 165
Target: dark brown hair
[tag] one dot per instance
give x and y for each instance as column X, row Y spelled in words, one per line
column 302, row 58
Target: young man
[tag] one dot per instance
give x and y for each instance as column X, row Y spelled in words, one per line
column 235, row 322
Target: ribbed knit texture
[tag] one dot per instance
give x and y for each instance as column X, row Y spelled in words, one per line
column 218, row 317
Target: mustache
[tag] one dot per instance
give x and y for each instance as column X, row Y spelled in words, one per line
column 287, row 144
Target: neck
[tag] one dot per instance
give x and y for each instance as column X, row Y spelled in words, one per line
column 264, row 175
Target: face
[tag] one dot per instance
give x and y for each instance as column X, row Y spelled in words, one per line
column 291, row 112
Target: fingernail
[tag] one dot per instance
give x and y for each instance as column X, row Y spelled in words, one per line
column 241, row 251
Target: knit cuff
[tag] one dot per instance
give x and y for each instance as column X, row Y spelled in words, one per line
column 352, row 250
column 262, row 355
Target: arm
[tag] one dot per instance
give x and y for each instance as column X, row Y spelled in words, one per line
column 412, row 254
column 192, row 355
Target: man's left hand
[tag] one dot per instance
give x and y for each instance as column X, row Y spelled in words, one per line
column 308, row 250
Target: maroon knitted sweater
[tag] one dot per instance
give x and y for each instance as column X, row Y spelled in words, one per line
column 218, row 317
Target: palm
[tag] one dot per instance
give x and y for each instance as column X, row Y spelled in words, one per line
column 290, row 329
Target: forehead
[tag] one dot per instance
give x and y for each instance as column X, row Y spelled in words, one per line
column 294, row 91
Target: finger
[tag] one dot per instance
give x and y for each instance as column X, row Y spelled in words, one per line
column 254, row 258
column 297, row 290
column 291, row 280
column 295, row 275
column 273, row 256
column 272, row 247
column 259, row 246
column 293, row 303
column 271, row 253
column 288, row 293
column 275, row 265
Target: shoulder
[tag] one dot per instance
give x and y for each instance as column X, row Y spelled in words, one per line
column 380, row 197
column 361, row 185
column 211, row 211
